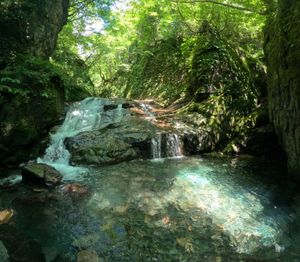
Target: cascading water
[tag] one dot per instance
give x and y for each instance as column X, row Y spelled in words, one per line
column 119, row 112
column 156, row 146
column 170, row 147
column 173, row 147
column 82, row 116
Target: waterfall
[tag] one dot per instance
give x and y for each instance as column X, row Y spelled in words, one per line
column 82, row 116
column 156, row 146
column 168, row 145
column 119, row 112
column 173, row 145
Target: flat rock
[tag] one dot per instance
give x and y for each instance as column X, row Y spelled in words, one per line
column 41, row 174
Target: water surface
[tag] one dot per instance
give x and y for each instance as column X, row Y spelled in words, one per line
column 184, row 209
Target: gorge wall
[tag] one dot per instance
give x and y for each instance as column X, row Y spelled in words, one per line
column 282, row 48
column 31, row 26
column 31, row 91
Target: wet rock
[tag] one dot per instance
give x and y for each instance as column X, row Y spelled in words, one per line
column 88, row 256
column 41, row 174
column 127, row 105
column 3, row 253
column 115, row 143
column 75, row 188
column 5, row 216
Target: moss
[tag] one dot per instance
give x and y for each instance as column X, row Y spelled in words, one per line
column 32, row 96
column 222, row 89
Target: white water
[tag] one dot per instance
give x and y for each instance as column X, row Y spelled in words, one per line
column 173, row 145
column 87, row 115
column 156, row 146
column 82, row 116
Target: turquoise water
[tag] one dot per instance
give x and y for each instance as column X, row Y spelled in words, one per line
column 184, row 209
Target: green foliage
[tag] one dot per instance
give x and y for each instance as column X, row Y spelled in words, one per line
column 126, row 59
column 160, row 49
column 26, row 74
column 77, row 82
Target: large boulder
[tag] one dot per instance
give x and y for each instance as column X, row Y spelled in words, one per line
column 282, row 49
column 31, row 90
column 114, row 143
column 137, row 137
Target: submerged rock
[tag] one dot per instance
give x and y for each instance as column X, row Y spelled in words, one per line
column 87, row 256
column 75, row 189
column 3, row 253
column 41, row 174
column 5, row 216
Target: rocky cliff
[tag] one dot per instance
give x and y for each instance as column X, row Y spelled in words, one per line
column 31, row 26
column 282, row 48
column 31, row 90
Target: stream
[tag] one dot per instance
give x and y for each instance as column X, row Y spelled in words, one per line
column 170, row 207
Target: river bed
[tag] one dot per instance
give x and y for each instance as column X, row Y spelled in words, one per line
column 178, row 209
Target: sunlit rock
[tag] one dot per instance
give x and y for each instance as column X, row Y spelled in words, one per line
column 5, row 216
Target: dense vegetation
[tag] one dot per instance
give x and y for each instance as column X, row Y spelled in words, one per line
column 205, row 53
column 147, row 48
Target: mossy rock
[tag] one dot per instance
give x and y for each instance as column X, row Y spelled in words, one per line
column 215, row 65
column 32, row 97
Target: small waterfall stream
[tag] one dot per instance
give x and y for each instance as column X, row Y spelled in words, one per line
column 156, row 146
column 173, row 146
column 166, row 145
column 82, row 116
